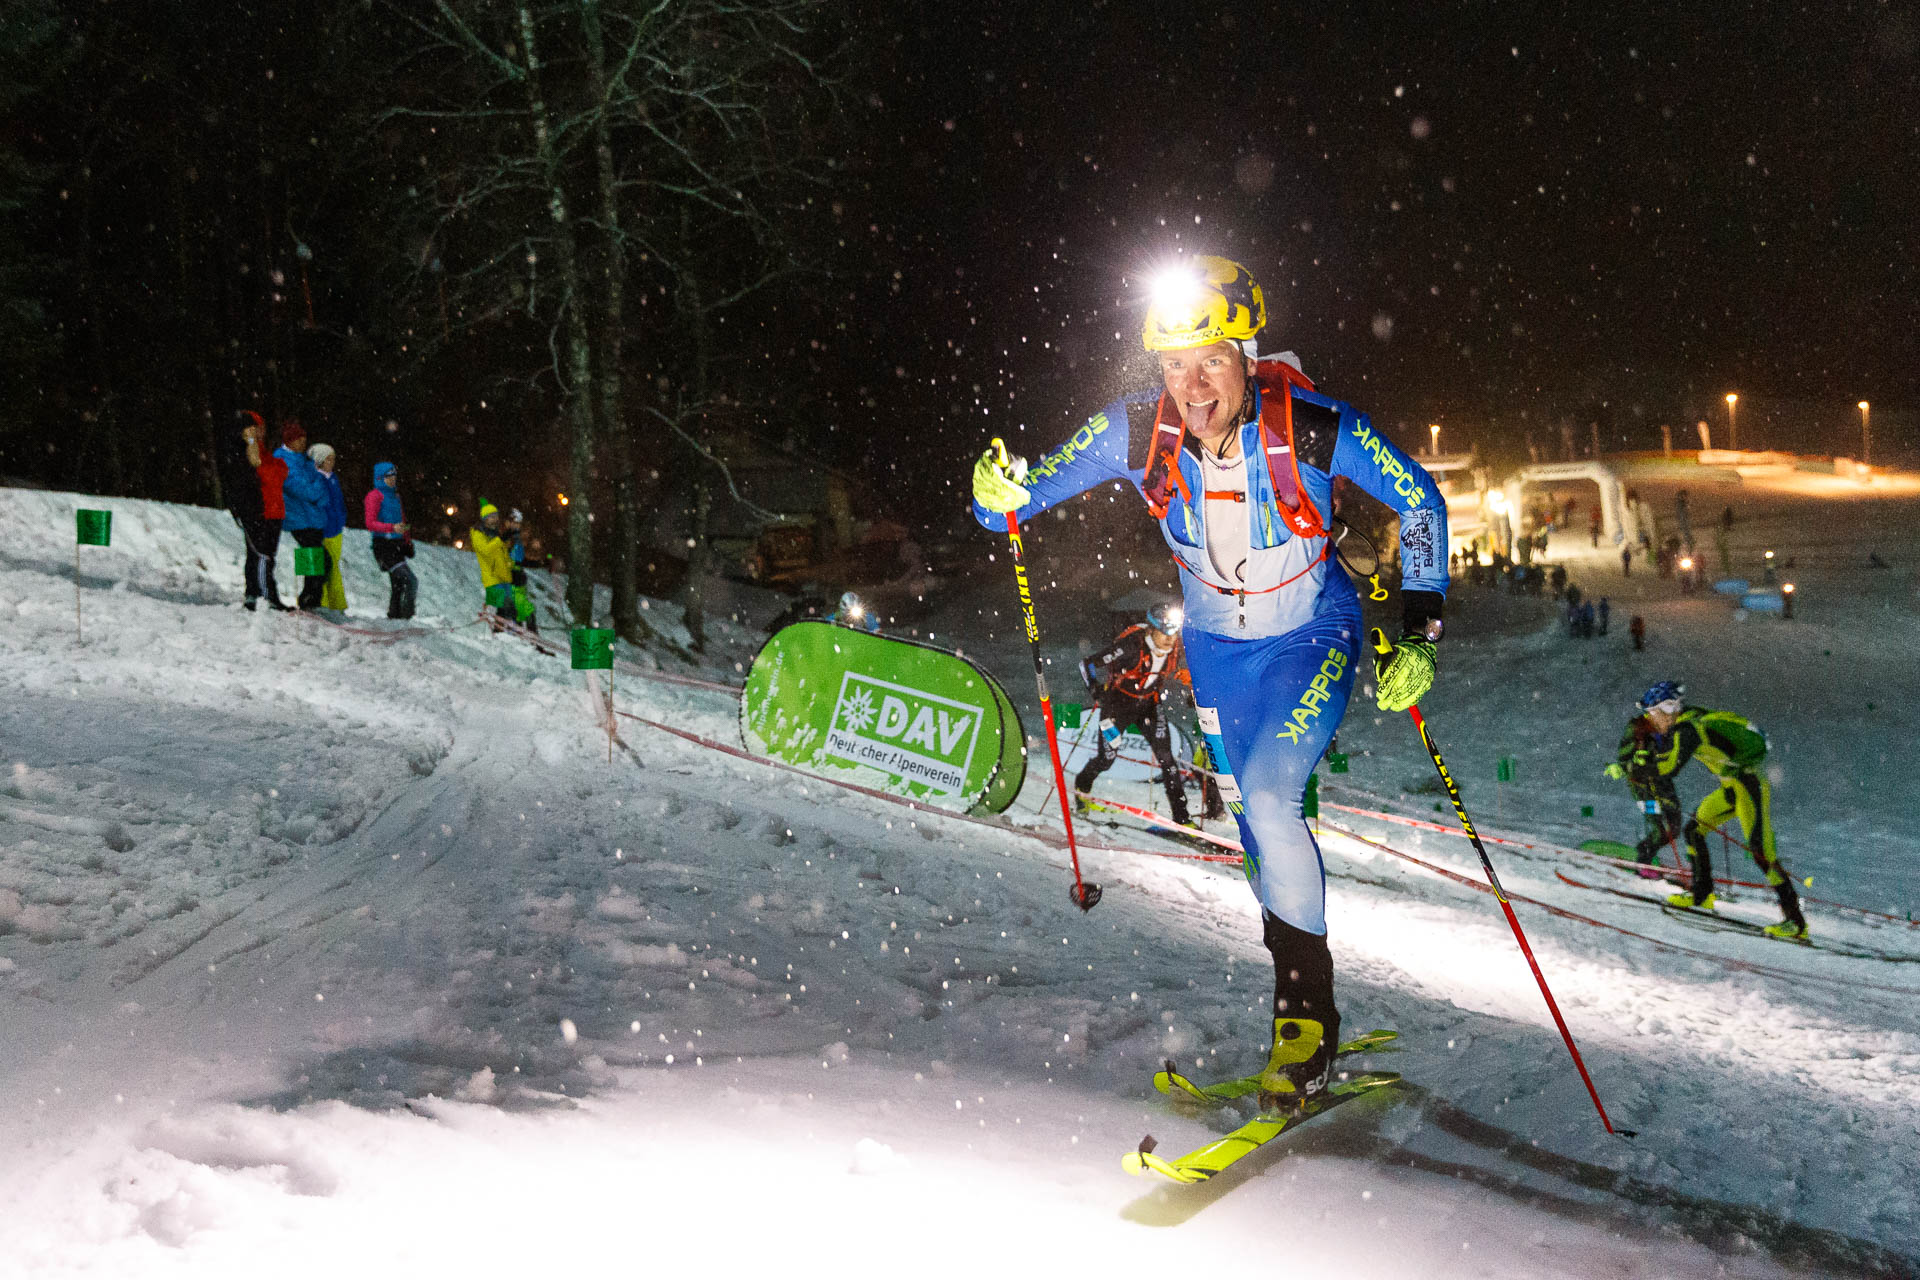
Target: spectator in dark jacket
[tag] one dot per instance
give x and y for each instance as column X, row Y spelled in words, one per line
column 387, row 523
column 263, row 531
column 240, row 487
column 306, row 506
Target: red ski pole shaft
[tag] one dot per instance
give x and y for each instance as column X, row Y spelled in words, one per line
column 1085, row 895
column 1381, row 647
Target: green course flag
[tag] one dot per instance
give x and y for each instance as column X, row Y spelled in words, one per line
column 592, row 649
column 1337, row 762
column 309, row 562
column 1310, row 802
column 1503, row 771
column 93, row 528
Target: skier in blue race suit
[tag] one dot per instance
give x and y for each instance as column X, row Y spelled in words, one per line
column 1235, row 456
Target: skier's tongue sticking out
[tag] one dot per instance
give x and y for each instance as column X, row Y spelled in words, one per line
column 1209, row 384
column 1199, row 415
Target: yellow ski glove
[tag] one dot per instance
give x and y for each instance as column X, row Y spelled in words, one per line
column 1406, row 676
column 1615, row 771
column 996, row 480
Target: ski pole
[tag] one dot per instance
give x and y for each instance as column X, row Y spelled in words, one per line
column 1084, row 893
column 1382, row 650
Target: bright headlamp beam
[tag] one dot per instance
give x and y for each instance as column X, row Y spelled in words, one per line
column 1174, row 289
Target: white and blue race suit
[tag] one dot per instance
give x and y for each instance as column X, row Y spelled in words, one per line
column 1273, row 642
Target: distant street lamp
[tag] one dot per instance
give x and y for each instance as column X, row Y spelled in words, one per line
column 1733, row 436
column 1866, row 438
column 1434, row 429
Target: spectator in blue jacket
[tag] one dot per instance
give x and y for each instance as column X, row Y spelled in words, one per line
column 513, row 532
column 334, row 532
column 306, row 497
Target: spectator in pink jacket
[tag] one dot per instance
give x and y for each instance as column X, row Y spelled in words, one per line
column 392, row 548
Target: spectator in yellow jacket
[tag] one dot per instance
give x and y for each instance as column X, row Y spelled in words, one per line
column 496, row 566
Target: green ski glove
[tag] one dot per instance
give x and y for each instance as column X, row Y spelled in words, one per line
column 996, row 480
column 1406, row 676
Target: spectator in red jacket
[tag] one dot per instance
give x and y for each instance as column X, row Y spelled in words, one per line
column 263, row 532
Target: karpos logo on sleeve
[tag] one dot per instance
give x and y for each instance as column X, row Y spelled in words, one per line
column 917, row 736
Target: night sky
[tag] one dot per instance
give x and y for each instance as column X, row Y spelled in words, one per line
column 1497, row 217
column 1510, row 219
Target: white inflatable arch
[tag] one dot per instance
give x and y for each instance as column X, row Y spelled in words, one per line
column 1617, row 521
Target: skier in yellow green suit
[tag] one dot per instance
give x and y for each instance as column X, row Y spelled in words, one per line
column 1731, row 747
column 496, row 565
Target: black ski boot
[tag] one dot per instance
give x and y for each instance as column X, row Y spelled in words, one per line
column 1306, row 1025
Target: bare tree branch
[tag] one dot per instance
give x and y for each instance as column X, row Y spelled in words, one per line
column 726, row 472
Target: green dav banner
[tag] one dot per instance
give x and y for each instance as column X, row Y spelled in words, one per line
column 93, row 528
column 889, row 713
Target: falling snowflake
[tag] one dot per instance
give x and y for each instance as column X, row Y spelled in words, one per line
column 857, row 713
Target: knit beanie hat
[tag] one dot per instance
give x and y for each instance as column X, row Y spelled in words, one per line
column 290, row 431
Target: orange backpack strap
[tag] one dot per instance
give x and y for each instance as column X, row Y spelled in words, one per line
column 1166, row 433
column 1277, row 380
column 1169, row 432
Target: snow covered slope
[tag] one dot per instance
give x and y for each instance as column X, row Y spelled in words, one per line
column 320, row 950
column 194, row 555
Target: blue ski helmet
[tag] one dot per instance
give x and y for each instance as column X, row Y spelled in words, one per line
column 1667, row 691
column 1166, row 618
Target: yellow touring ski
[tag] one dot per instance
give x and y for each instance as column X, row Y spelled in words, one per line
column 1198, row 1166
column 1169, row 1081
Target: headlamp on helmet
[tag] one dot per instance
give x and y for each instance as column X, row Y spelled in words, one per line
column 1201, row 302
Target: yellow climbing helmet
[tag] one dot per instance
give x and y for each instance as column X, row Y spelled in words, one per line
column 1202, row 301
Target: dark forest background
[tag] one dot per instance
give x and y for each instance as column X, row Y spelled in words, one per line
column 564, row 247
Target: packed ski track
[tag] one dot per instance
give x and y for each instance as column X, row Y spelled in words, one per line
column 326, row 948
